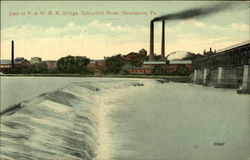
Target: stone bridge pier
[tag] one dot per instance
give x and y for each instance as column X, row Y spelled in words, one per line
column 206, row 76
column 221, row 77
column 246, row 80
column 198, row 76
column 224, row 77
column 227, row 77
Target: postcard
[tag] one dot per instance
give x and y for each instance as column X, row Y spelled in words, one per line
column 125, row 80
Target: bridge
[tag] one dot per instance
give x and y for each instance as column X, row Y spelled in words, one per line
column 229, row 67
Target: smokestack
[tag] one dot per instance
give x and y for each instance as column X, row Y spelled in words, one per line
column 12, row 53
column 163, row 41
column 151, row 55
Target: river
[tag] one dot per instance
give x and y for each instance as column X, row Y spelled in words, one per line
column 121, row 119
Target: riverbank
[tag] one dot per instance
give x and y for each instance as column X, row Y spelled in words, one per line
column 159, row 78
column 171, row 78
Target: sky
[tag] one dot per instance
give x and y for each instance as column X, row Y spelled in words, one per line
column 37, row 33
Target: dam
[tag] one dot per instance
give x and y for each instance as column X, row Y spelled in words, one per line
column 121, row 119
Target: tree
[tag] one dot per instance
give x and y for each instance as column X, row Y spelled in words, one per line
column 115, row 63
column 158, row 70
column 192, row 56
column 38, row 68
column 71, row 64
column 139, row 60
column 180, row 71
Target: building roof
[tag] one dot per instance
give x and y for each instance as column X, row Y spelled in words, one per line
column 234, row 46
column 131, row 53
column 180, row 62
column 154, row 62
column 141, row 68
column 7, row 61
column 142, row 50
column 36, row 58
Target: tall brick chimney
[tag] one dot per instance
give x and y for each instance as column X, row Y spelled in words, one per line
column 151, row 54
column 163, row 41
column 12, row 54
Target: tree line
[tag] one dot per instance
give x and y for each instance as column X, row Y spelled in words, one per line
column 114, row 65
column 68, row 64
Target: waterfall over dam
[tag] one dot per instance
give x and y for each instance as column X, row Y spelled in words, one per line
column 62, row 124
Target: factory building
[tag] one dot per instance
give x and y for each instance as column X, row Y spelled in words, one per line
column 162, row 67
column 154, row 64
column 141, row 70
column 18, row 62
column 133, row 56
column 175, row 65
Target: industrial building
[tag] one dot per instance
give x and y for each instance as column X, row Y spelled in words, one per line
column 133, row 56
column 18, row 62
column 162, row 66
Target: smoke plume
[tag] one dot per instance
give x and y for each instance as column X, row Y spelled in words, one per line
column 195, row 12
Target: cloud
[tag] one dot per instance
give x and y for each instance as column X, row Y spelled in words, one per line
column 98, row 39
column 193, row 22
column 240, row 26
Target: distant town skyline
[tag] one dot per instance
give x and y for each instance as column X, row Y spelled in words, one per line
column 51, row 30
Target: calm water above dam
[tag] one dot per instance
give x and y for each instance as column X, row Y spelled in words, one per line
column 122, row 119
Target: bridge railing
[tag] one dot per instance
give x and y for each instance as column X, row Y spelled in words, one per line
column 234, row 57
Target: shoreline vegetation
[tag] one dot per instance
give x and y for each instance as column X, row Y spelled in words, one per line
column 172, row 78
